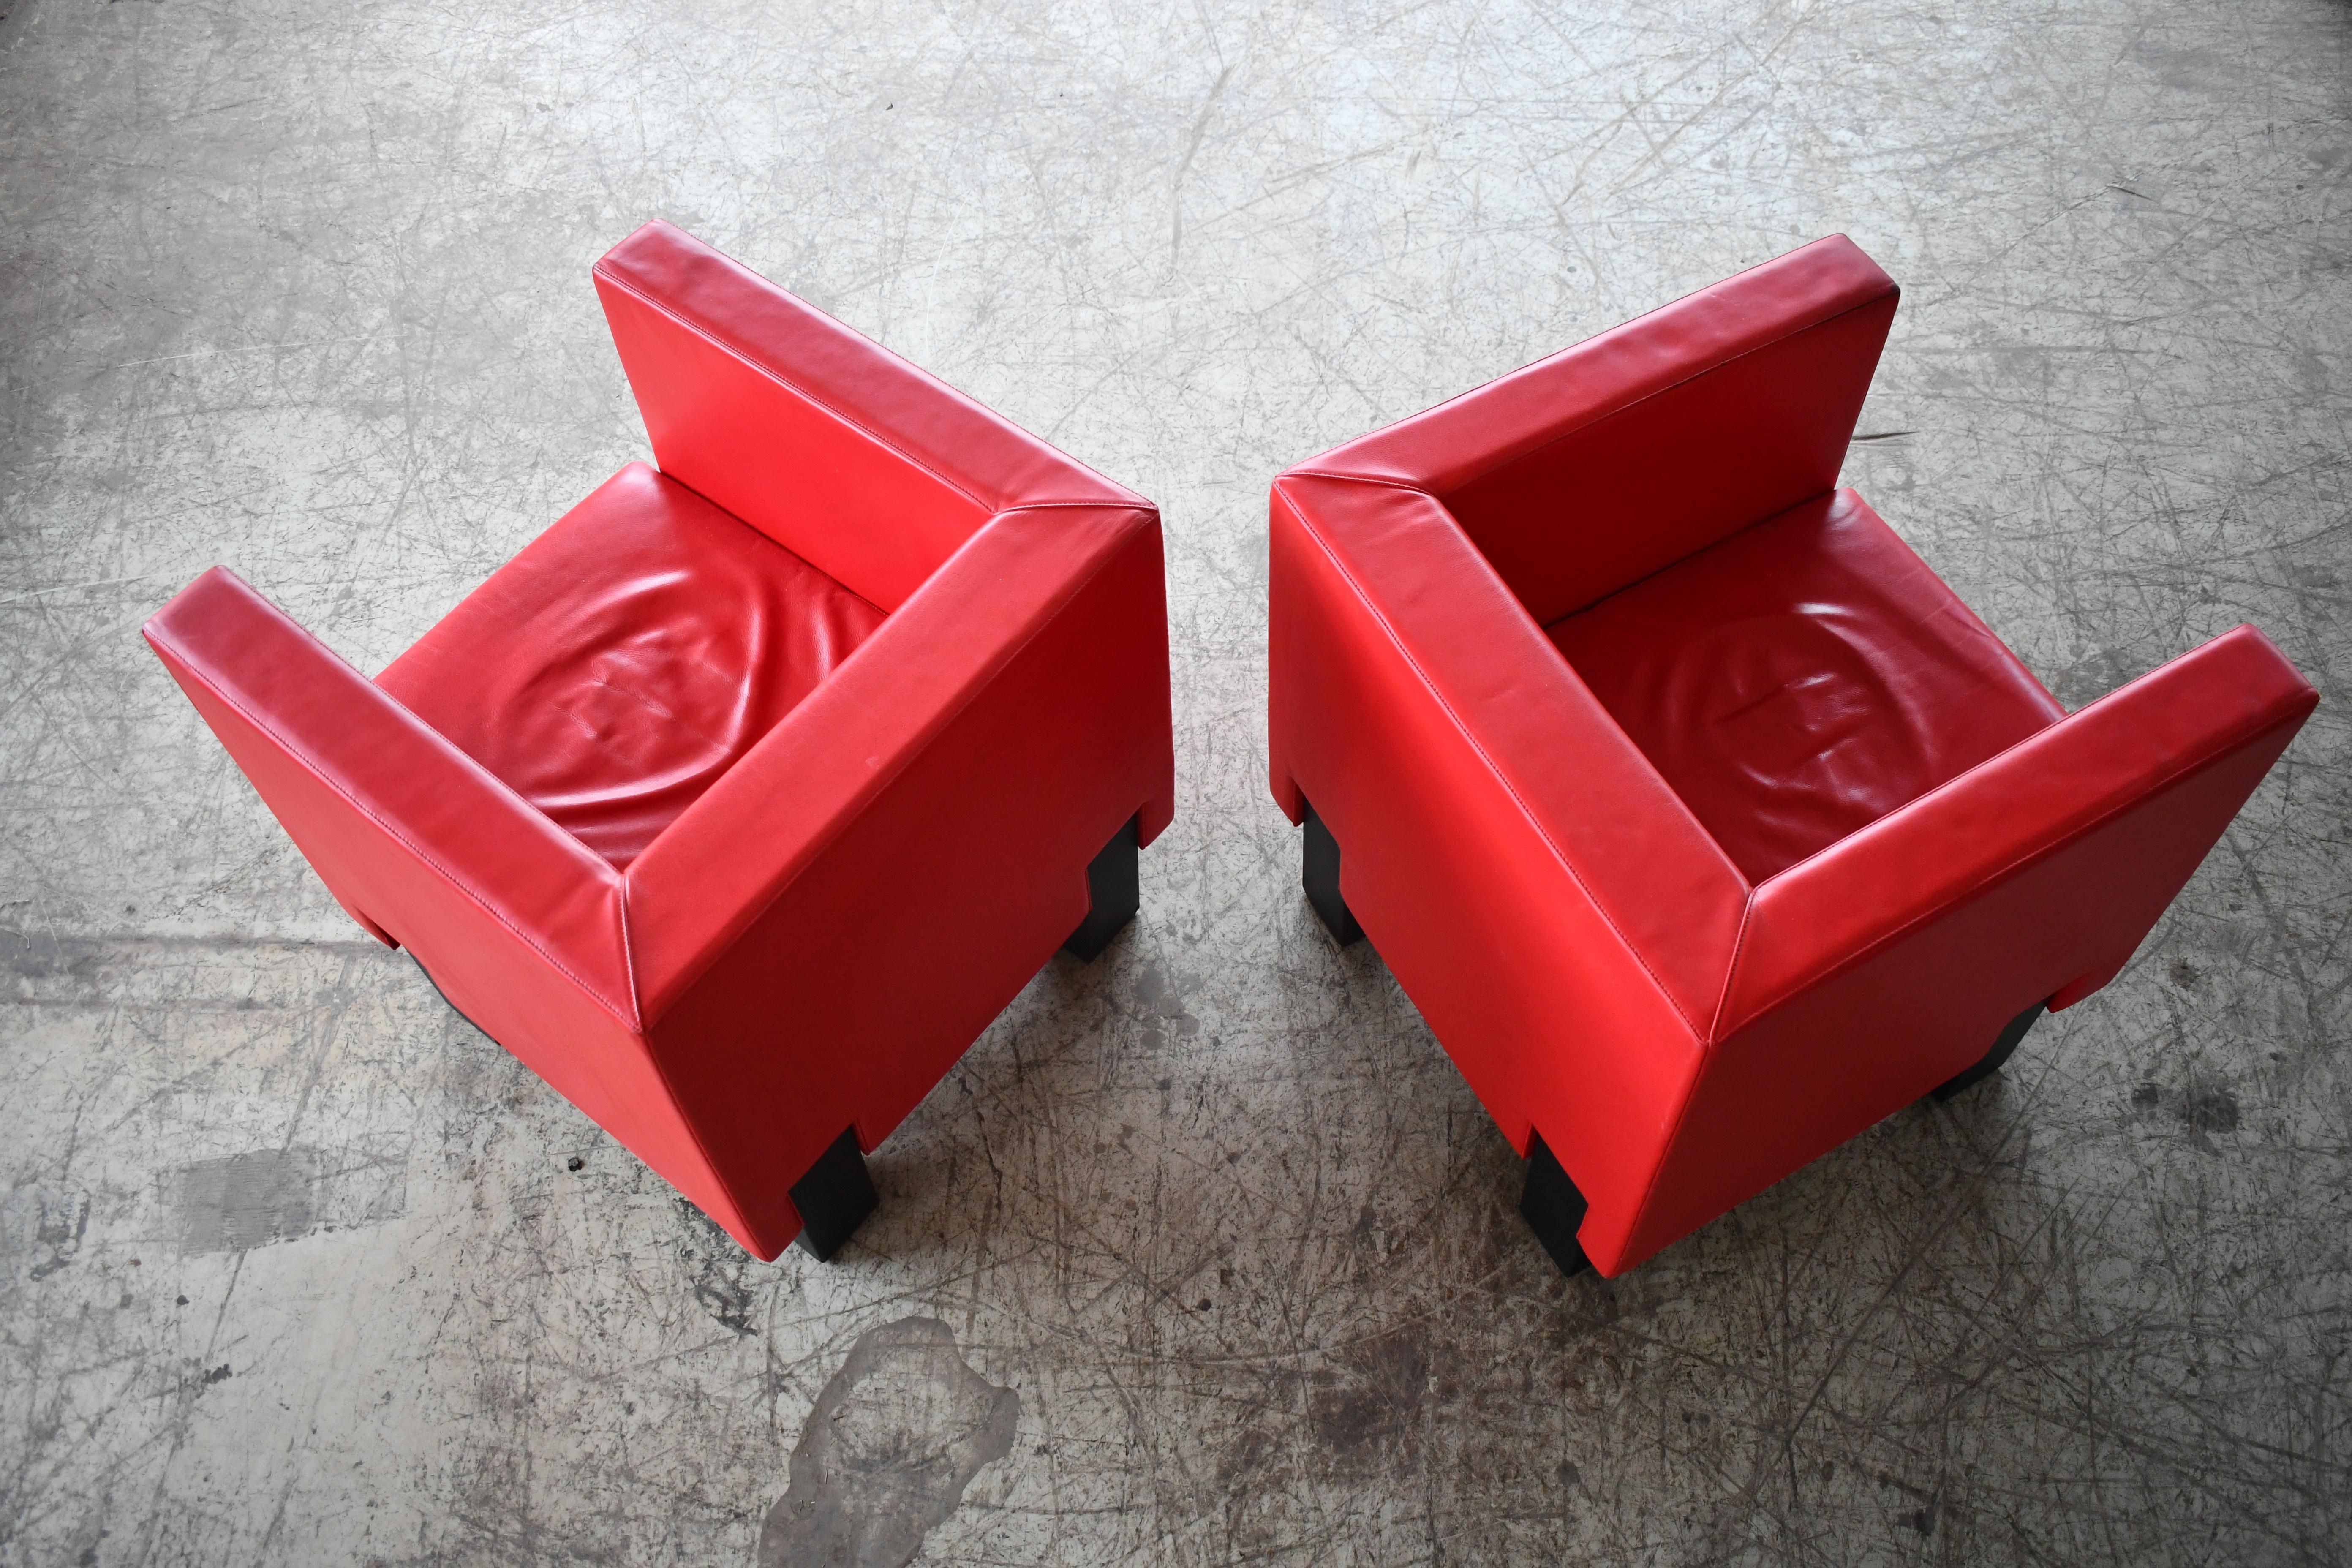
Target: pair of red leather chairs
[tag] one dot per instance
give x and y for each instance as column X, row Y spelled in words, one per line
column 1701, row 820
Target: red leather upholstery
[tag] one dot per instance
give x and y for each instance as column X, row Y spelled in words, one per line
column 1801, row 678
column 858, row 462
column 1543, row 469
column 1703, row 824
column 628, row 657
column 641, row 812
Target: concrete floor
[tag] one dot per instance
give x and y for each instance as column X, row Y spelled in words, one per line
column 1204, row 1254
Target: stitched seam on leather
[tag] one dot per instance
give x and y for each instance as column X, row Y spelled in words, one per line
column 1658, row 1170
column 1491, row 466
column 764, row 539
column 677, row 1103
column 744, row 357
column 1765, row 521
column 884, row 779
column 717, row 1174
column 628, row 949
column 1508, row 788
column 661, row 1075
column 594, row 992
column 2018, row 863
column 1738, row 947
column 1357, row 478
column 1106, row 505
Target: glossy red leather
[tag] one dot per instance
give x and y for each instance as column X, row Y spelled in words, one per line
column 990, row 739
column 1703, row 823
column 523, row 927
column 628, row 657
column 1450, row 644
column 1695, row 419
column 732, row 850
column 865, row 465
column 1801, row 678
column 1486, row 806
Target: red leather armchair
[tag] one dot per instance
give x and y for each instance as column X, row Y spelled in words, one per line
column 1705, row 824
column 742, row 800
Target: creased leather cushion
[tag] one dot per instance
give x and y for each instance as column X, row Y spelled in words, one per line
column 1801, row 679
column 628, row 656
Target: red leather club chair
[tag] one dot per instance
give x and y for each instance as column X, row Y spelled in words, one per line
column 1705, row 824
column 743, row 799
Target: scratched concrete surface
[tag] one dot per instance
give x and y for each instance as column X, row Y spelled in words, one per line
column 297, row 1268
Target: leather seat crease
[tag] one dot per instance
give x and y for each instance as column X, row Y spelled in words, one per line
column 1801, row 678
column 1703, row 824
column 628, row 656
column 638, row 808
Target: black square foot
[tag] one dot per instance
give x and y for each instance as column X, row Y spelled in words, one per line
column 2011, row 1034
column 1319, row 873
column 834, row 1197
column 1553, row 1208
column 1115, row 888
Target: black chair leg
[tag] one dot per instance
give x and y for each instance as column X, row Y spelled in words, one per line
column 1319, row 873
column 834, row 1197
column 1553, row 1208
column 2007, row 1042
column 1115, row 885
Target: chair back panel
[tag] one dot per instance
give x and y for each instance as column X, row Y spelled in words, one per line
column 865, row 467
column 1636, row 490
column 1607, row 461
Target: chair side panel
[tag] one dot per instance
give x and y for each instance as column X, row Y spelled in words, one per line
column 892, row 948
column 1822, row 1064
column 2108, row 761
column 1597, row 808
column 1536, row 997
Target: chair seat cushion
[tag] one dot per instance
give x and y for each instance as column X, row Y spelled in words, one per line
column 617, row 667
column 1802, row 679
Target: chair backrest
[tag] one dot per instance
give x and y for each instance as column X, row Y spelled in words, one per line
column 1613, row 459
column 868, row 468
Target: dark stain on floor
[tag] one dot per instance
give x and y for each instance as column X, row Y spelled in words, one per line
column 896, row 1436
column 42, row 1227
column 1372, row 1397
column 266, row 1195
column 2200, row 1108
column 246, row 1200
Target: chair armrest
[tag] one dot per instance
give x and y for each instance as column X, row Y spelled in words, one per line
column 734, row 851
column 1588, row 471
column 1487, row 808
column 411, row 835
column 2109, row 810
column 1388, row 570
column 832, row 924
